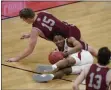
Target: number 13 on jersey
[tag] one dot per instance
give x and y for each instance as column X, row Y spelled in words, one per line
column 97, row 84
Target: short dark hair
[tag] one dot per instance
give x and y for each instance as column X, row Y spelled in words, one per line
column 104, row 55
column 57, row 34
column 26, row 13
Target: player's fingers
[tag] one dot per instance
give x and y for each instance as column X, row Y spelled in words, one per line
column 22, row 37
column 8, row 61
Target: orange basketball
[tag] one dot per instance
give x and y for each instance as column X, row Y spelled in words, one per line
column 55, row 56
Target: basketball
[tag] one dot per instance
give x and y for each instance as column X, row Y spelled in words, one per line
column 55, row 56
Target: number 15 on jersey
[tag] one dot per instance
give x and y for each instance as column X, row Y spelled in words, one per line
column 48, row 23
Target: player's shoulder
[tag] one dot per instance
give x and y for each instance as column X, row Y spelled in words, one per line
column 70, row 39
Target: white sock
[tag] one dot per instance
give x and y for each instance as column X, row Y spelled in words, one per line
column 54, row 67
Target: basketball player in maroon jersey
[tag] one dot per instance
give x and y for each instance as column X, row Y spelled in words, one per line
column 44, row 25
column 98, row 76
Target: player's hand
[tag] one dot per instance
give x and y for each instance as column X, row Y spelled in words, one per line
column 65, row 54
column 25, row 36
column 75, row 87
column 12, row 60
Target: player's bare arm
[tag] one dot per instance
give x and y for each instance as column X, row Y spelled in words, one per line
column 77, row 45
column 29, row 49
column 78, row 81
column 80, row 78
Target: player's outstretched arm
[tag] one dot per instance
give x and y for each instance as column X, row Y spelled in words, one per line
column 29, row 49
column 78, row 81
column 77, row 45
column 80, row 78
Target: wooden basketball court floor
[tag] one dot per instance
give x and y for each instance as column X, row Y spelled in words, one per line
column 94, row 21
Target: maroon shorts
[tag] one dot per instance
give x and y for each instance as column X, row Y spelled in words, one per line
column 75, row 32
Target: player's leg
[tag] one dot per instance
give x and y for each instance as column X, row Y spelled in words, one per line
column 70, row 61
column 76, row 69
column 70, row 70
column 57, row 75
column 60, row 73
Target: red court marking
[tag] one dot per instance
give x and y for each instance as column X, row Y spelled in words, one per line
column 12, row 8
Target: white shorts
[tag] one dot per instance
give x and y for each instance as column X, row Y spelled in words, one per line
column 86, row 59
column 78, row 69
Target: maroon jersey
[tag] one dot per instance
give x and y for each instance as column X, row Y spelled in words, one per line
column 49, row 24
column 96, row 78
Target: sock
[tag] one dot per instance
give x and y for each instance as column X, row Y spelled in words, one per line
column 54, row 67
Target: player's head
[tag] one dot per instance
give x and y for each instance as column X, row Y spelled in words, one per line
column 27, row 15
column 59, row 39
column 104, row 56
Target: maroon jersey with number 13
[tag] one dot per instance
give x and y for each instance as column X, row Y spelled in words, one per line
column 96, row 78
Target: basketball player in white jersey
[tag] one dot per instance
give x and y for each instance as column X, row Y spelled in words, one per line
column 72, row 63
